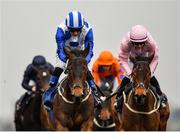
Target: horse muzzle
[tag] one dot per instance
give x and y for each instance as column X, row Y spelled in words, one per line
column 77, row 92
column 140, row 99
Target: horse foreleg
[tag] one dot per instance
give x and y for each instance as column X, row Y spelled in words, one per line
column 115, row 115
column 60, row 127
column 164, row 115
column 45, row 121
column 87, row 125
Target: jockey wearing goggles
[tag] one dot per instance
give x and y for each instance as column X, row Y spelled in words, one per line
column 106, row 68
column 139, row 42
column 76, row 33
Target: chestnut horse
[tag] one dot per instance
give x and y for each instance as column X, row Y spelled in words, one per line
column 73, row 106
column 28, row 118
column 102, row 119
column 141, row 107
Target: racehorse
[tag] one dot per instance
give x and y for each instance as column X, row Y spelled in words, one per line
column 141, row 106
column 73, row 105
column 27, row 117
column 102, row 119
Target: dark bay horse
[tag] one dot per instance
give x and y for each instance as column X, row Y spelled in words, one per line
column 28, row 118
column 140, row 110
column 73, row 106
column 102, row 119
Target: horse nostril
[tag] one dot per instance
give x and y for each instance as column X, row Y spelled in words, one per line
column 143, row 97
column 140, row 99
column 136, row 97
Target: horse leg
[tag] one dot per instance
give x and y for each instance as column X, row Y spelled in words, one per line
column 88, row 125
column 115, row 115
column 45, row 121
column 17, row 122
column 60, row 127
column 164, row 115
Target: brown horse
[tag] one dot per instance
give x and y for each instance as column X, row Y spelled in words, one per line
column 102, row 119
column 140, row 110
column 73, row 106
column 28, row 118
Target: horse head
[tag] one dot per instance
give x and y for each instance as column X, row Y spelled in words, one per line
column 141, row 76
column 104, row 113
column 77, row 72
column 42, row 76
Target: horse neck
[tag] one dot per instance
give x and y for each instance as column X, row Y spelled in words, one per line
column 36, row 102
column 149, row 103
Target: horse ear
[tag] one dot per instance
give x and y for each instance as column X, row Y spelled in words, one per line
column 86, row 50
column 67, row 51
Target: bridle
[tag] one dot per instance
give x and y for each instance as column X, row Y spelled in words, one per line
column 147, row 88
column 61, row 91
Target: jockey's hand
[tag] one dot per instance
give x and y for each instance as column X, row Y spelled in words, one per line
column 33, row 89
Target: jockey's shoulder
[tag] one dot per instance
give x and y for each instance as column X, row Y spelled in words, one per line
column 29, row 67
column 63, row 26
column 29, row 70
column 86, row 27
column 96, row 64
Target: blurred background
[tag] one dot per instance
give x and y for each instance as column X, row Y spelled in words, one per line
column 28, row 27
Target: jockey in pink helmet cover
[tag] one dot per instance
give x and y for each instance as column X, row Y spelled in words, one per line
column 139, row 42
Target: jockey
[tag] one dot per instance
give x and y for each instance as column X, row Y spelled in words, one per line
column 106, row 68
column 74, row 32
column 139, row 42
column 29, row 79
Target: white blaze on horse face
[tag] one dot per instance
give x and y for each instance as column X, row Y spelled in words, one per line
column 107, row 85
column 44, row 74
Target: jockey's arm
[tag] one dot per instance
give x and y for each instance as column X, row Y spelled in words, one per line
column 124, row 55
column 60, row 44
column 27, row 77
column 155, row 52
column 95, row 73
column 120, row 73
column 89, row 39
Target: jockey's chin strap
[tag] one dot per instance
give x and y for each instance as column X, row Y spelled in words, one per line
column 61, row 90
column 155, row 108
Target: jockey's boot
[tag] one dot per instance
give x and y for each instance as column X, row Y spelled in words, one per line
column 162, row 96
column 121, row 88
column 49, row 94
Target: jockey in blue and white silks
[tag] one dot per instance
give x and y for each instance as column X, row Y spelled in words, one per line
column 74, row 32
column 64, row 37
